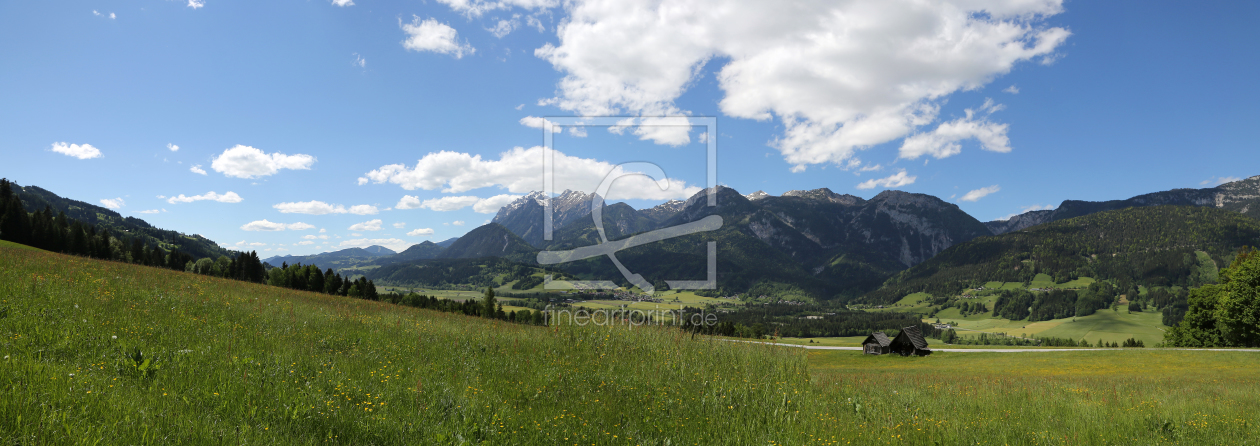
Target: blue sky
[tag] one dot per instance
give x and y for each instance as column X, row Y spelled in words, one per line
column 425, row 115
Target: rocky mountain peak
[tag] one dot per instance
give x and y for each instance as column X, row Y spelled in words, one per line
column 825, row 194
column 757, row 195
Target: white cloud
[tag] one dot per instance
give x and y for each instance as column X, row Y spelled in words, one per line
column 373, row 225
column 197, row 170
column 172, row 147
column 113, row 203
column 475, row 8
column 979, row 193
column 505, row 27
column 264, row 225
column 98, row 14
column 308, row 242
column 314, row 237
column 322, row 208
column 421, row 232
column 520, row 106
column 458, row 222
column 1217, row 181
column 875, row 168
column 359, row 60
column 150, row 211
column 248, row 162
column 520, row 171
column 840, row 76
column 400, row 225
column 491, row 205
column 321, row 231
column 431, row 35
column 896, row 180
column 408, row 202
column 196, row 4
column 343, row 3
column 362, row 181
column 83, row 152
column 397, row 245
column 1011, row 89
column 944, row 140
column 229, row 197
column 534, row 122
column 445, row 204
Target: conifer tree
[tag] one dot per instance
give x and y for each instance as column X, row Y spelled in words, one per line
column 488, row 304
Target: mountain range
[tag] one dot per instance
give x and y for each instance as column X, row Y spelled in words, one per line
column 809, row 243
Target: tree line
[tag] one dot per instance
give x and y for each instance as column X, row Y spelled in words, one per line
column 1225, row 314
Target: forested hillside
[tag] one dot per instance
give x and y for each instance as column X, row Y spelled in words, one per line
column 35, row 199
column 1151, row 246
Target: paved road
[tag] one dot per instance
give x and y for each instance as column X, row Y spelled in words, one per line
column 1015, row 350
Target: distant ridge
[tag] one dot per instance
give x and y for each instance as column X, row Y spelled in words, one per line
column 1241, row 196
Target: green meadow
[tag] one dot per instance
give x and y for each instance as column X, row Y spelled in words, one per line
column 108, row 353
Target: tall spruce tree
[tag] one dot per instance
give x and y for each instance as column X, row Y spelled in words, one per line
column 488, row 304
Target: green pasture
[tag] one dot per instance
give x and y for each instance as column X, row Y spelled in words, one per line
column 101, row 352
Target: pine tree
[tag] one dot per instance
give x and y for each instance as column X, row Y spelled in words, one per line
column 488, row 304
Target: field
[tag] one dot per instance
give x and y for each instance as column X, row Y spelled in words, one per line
column 103, row 352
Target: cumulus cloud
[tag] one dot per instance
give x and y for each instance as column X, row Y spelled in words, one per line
column 196, row 4
column 400, row 225
column 896, row 180
column 840, row 76
column 944, row 140
column 534, row 122
column 475, row 8
column 458, row 222
column 150, row 211
column 359, row 61
column 408, row 202
column 307, row 242
column 453, row 203
column 172, row 147
column 343, row 3
column 520, row 171
column 1011, row 89
column 491, row 205
column 398, row 245
column 113, row 203
column 313, row 237
column 264, row 225
column 373, row 225
column 248, row 162
column 197, row 170
column 435, row 36
column 321, row 208
column 229, row 197
column 421, row 232
column 979, row 193
column 83, row 152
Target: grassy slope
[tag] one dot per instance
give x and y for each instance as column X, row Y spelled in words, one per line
column 247, row 363
column 297, row 367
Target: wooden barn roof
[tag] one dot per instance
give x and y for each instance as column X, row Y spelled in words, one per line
column 912, row 333
column 879, row 337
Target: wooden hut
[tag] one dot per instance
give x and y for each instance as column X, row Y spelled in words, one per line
column 876, row 344
column 910, row 342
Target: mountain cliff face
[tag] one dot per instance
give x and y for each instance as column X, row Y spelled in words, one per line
column 489, row 240
column 524, row 217
column 1239, row 196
